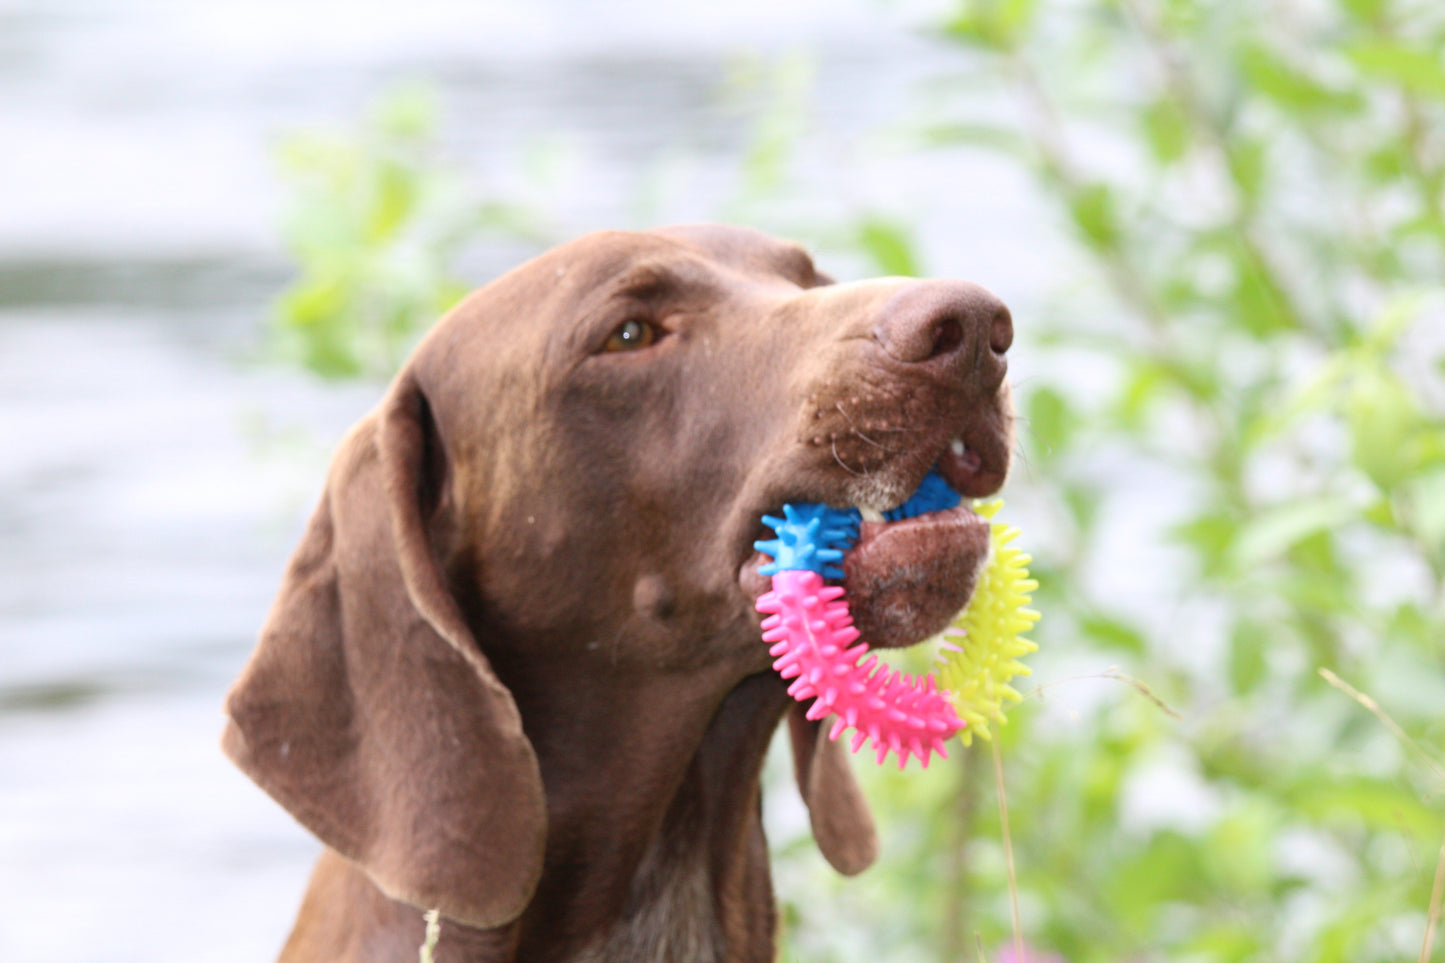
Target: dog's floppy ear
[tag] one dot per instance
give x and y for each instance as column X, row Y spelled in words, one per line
column 368, row 709
column 842, row 825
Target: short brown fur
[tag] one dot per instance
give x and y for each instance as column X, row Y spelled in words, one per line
column 513, row 671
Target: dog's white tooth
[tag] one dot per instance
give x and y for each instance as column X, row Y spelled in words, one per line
column 957, row 447
column 870, row 514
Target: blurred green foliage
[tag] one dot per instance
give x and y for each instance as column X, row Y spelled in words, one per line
column 1232, row 476
column 1254, row 192
column 376, row 225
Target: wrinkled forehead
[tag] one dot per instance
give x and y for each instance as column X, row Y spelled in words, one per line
column 522, row 328
column 689, row 253
column 747, row 251
column 529, row 303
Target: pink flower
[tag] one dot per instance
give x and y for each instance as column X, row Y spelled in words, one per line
column 1031, row 955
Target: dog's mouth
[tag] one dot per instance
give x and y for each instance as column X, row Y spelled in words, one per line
column 906, row 579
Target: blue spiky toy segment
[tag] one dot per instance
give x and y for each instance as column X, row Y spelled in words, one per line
column 811, row 537
column 933, row 495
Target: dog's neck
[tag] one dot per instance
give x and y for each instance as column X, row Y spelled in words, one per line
column 688, row 881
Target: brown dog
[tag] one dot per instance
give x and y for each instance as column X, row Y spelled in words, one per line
column 514, row 670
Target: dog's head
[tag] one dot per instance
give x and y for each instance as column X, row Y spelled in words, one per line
column 555, row 508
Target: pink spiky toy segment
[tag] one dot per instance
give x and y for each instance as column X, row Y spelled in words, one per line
column 813, row 643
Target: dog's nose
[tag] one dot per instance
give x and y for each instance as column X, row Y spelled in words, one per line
column 954, row 326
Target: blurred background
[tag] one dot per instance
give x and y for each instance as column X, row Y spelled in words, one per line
column 1220, row 225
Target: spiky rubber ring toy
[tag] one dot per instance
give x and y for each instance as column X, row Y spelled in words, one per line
column 815, row 644
column 983, row 645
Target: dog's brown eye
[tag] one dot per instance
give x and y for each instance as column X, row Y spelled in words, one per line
column 631, row 335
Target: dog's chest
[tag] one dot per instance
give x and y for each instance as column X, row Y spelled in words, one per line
column 671, row 913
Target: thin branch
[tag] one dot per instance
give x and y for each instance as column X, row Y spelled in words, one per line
column 958, row 913
column 1432, row 918
column 1008, row 851
column 1429, row 761
column 1111, row 673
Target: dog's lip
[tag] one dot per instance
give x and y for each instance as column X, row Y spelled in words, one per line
column 908, row 579
column 905, row 578
column 871, row 531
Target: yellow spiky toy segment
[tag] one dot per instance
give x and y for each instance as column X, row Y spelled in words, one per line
column 987, row 636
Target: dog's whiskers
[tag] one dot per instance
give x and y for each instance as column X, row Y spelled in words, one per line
column 870, row 441
column 858, row 432
column 844, row 465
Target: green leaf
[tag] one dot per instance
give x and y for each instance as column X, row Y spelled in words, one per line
column 972, row 29
column 1415, row 69
column 1368, row 11
column 1424, row 497
column 1114, row 633
column 393, row 201
column 1212, row 536
column 890, row 247
column 1051, row 422
column 1274, row 531
column 1248, row 665
column 1238, row 853
column 1095, row 211
column 1292, row 88
column 1142, row 884
column 1390, row 324
column 1166, row 129
column 1374, row 803
column 1231, row 938
column 1143, row 385
column 1384, row 420
column 373, row 226
column 313, row 302
column 1315, row 584
column 1083, row 502
column 1388, row 162
column 1410, row 622
column 1259, row 307
column 1248, row 166
column 1381, row 513
column 1002, row 139
column 1179, row 294
column 1315, row 397
column 996, row 25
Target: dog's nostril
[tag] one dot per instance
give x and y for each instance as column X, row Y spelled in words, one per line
column 951, row 324
column 947, row 338
column 1001, row 331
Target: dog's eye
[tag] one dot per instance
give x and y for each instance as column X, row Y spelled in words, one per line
column 631, row 335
